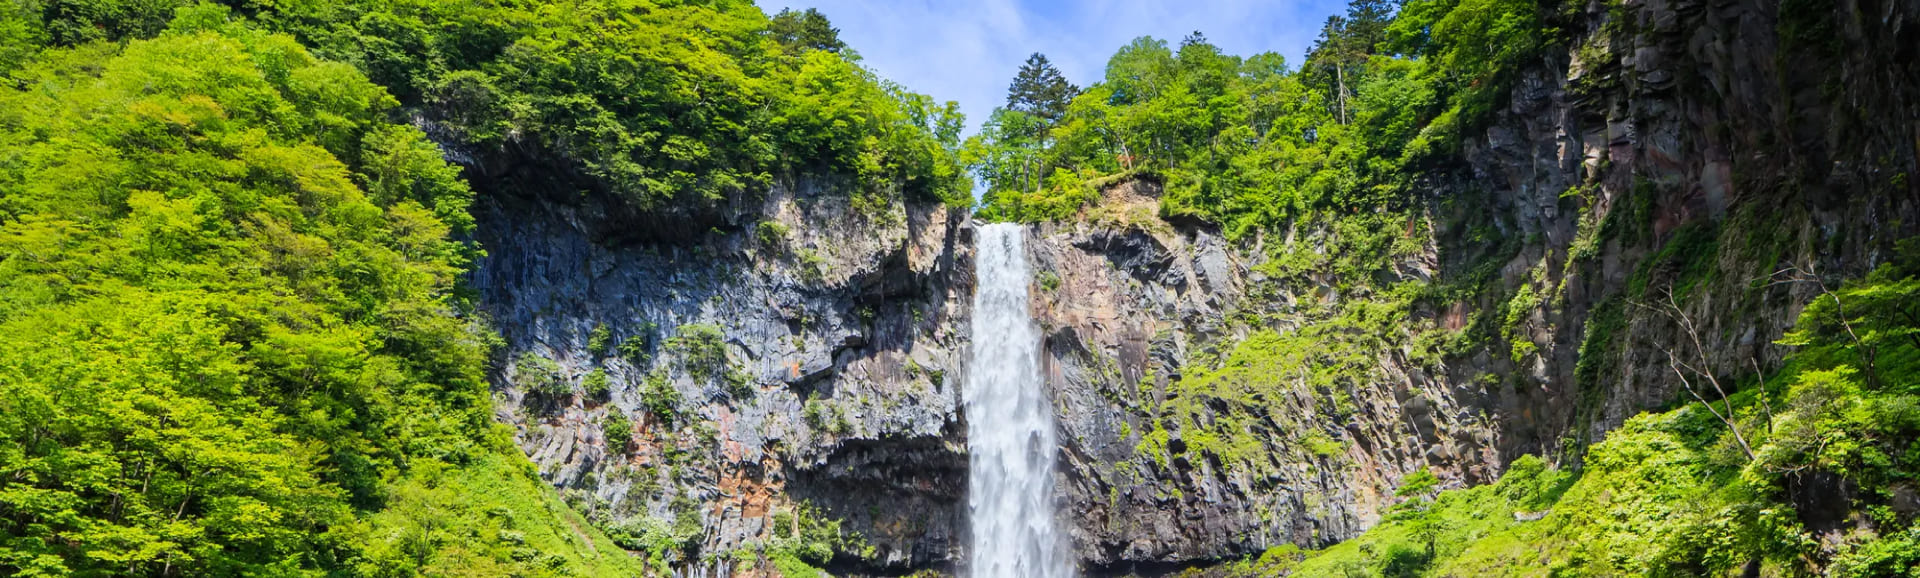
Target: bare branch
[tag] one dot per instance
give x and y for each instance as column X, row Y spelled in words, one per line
column 1867, row 352
column 1764, row 402
column 1681, row 368
column 1726, row 419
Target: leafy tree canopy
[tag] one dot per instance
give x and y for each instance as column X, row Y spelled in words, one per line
column 1252, row 143
column 799, row 31
column 659, row 104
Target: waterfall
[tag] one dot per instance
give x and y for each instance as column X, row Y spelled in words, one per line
column 1009, row 423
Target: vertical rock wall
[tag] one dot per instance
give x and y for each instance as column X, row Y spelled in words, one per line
column 1683, row 147
column 1671, row 155
column 841, row 334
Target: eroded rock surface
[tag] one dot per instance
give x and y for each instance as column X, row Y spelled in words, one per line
column 843, row 333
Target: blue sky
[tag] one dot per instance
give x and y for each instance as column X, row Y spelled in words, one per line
column 967, row 50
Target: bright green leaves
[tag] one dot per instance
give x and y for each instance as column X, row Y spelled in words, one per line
column 1472, row 40
column 79, row 21
column 661, row 104
column 398, row 163
column 1248, row 143
column 131, row 442
column 218, row 345
column 1669, row 494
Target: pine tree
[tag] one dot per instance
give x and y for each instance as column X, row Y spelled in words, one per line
column 1196, row 38
column 1040, row 90
column 1345, row 44
column 1367, row 22
column 803, row 31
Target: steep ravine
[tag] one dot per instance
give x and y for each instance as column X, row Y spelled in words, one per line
column 1665, row 146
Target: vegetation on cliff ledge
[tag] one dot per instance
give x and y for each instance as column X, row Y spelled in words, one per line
column 1321, row 170
column 230, row 252
column 1813, row 468
column 1253, row 142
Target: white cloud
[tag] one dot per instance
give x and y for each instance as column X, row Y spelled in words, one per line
column 968, row 51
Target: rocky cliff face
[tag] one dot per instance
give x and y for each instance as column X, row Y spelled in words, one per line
column 1675, row 165
column 1129, row 306
column 806, row 354
column 1674, row 160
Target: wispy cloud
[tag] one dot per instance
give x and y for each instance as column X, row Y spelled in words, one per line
column 968, row 50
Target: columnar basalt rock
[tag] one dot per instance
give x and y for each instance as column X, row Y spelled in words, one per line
column 806, row 354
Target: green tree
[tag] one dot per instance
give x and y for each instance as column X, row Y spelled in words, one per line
column 800, row 31
column 1039, row 90
column 233, row 344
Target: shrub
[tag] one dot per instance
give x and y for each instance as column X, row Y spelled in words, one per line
column 599, row 340
column 660, row 398
column 703, row 350
column 596, row 383
column 617, row 430
column 772, row 234
column 535, row 373
column 637, row 350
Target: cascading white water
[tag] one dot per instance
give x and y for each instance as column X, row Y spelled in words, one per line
column 1009, row 422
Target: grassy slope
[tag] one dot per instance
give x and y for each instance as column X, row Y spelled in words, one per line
column 494, row 517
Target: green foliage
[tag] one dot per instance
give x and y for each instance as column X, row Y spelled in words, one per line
column 1895, row 555
column 638, row 349
column 1251, row 143
column 595, row 384
column 488, row 519
column 617, row 430
column 1225, row 412
column 813, row 267
column 233, row 341
column 826, row 416
column 1417, row 484
column 702, row 349
column 660, row 398
column 703, row 354
column 1040, row 90
column 1422, row 540
column 789, row 564
column 656, row 103
column 661, row 540
column 599, row 339
column 1672, row 494
column 772, row 234
column 1049, row 281
column 800, row 31
column 1685, row 262
column 1597, row 346
column 805, row 539
column 536, row 373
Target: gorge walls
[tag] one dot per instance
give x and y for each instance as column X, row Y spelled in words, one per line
column 1217, row 395
column 1221, row 396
